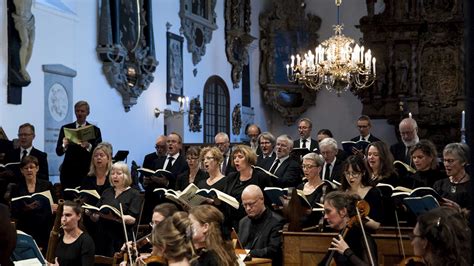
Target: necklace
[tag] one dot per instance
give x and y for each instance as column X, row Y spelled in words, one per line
column 455, row 183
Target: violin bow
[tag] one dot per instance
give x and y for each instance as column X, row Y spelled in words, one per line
column 126, row 235
column 140, row 216
column 365, row 238
column 399, row 233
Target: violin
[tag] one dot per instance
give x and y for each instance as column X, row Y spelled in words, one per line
column 363, row 209
column 155, row 259
column 413, row 261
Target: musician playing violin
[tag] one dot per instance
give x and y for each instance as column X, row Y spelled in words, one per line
column 341, row 215
column 442, row 237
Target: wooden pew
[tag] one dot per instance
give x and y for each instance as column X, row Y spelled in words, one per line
column 305, row 248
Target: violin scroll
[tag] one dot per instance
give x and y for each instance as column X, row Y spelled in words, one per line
column 413, row 261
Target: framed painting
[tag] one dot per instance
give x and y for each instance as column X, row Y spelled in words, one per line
column 174, row 67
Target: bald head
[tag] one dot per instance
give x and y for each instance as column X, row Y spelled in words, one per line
column 160, row 145
column 252, row 132
column 252, row 200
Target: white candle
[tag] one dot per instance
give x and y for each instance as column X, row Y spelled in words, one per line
column 463, row 119
column 373, row 64
column 409, row 115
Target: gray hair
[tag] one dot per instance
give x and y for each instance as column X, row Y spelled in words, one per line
column 288, row 140
column 316, row 158
column 459, row 150
column 329, row 142
column 268, row 136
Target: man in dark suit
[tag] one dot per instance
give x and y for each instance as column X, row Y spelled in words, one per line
column 364, row 125
column 332, row 168
column 77, row 156
column 149, row 160
column 259, row 231
column 252, row 132
column 267, row 142
column 26, row 135
column 173, row 161
column 287, row 170
column 305, row 141
column 223, row 143
column 409, row 136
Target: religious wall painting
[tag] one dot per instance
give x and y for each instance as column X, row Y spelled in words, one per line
column 236, row 120
column 198, row 21
column 284, row 30
column 174, row 67
column 126, row 47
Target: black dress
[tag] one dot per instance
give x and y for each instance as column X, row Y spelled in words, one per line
column 80, row 252
column 219, row 185
column 206, row 258
column 376, row 203
column 426, row 178
column 317, row 196
column 111, row 235
column 459, row 193
column 355, row 240
column 183, row 179
column 90, row 182
column 36, row 222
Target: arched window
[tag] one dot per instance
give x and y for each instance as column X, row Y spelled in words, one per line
column 216, row 108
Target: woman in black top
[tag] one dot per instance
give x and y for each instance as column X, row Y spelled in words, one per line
column 424, row 157
column 98, row 176
column 33, row 217
column 208, row 238
column 340, row 209
column 111, row 235
column 455, row 188
column 313, row 188
column 380, row 164
column 75, row 247
column 194, row 174
column 243, row 159
column 212, row 158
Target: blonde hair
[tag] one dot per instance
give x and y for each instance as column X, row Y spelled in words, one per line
column 216, row 153
column 247, row 152
column 106, row 148
column 121, row 166
column 174, row 235
column 214, row 237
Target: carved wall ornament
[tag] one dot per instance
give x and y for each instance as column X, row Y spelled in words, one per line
column 194, row 116
column 126, row 47
column 198, row 21
column 236, row 120
column 283, row 29
column 237, row 36
column 420, row 53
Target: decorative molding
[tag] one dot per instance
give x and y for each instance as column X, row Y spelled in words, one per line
column 237, row 36
column 283, row 29
column 198, row 21
column 126, row 47
column 420, row 59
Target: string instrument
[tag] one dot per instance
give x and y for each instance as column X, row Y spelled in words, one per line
column 54, row 234
column 413, row 261
column 159, row 260
column 238, row 247
column 362, row 208
column 129, row 251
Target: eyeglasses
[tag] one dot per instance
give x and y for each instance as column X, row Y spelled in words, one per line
column 354, row 174
column 308, row 166
column 99, row 155
column 221, row 143
column 208, row 158
column 413, row 236
column 192, row 158
column 265, row 143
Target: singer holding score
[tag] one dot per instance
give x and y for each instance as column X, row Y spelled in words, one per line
column 75, row 247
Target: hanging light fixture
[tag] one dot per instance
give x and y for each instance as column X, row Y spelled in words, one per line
column 336, row 64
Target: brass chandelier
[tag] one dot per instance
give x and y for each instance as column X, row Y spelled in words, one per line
column 336, row 64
